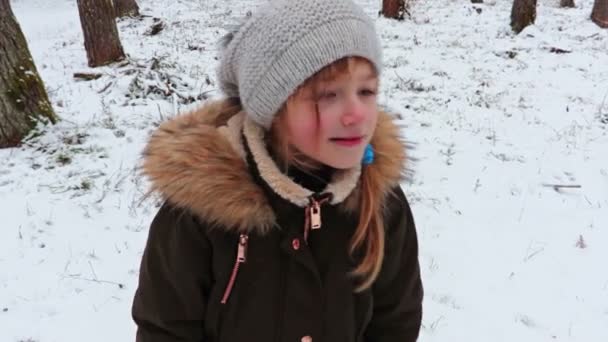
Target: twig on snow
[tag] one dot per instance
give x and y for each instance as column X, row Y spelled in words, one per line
column 558, row 187
column 105, row 88
column 97, row 281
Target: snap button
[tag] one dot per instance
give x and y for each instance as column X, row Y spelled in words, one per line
column 295, row 243
column 306, row 339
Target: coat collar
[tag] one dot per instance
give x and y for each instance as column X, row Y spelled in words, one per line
column 341, row 185
column 199, row 162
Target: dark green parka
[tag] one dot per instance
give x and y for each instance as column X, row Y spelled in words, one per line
column 227, row 259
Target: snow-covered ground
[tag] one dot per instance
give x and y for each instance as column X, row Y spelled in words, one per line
column 495, row 119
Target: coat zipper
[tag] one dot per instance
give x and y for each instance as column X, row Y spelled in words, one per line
column 241, row 257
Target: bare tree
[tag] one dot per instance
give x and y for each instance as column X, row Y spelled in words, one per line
column 126, row 8
column 566, row 3
column 599, row 15
column 23, row 99
column 394, row 9
column 97, row 18
column 523, row 13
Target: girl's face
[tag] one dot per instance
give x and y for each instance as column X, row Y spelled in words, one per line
column 332, row 120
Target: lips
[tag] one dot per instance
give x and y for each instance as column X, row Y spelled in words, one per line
column 348, row 141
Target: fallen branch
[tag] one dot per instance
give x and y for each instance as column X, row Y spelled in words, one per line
column 153, row 79
column 558, row 50
column 158, row 26
column 86, row 76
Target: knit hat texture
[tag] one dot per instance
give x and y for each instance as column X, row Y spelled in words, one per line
column 284, row 43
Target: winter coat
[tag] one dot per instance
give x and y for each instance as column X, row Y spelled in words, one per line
column 227, row 259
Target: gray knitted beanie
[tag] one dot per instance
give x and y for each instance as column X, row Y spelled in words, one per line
column 286, row 42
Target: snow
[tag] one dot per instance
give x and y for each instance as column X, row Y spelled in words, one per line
column 495, row 120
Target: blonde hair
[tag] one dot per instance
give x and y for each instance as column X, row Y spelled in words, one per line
column 367, row 243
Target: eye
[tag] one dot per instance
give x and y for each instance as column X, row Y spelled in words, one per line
column 327, row 95
column 367, row 92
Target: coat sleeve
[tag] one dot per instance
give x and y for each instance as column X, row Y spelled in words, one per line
column 397, row 292
column 174, row 280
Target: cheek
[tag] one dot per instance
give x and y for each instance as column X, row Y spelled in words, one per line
column 304, row 131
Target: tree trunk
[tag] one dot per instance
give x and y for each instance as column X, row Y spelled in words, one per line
column 599, row 15
column 126, row 8
column 101, row 39
column 523, row 14
column 23, row 99
column 567, row 3
column 394, row 9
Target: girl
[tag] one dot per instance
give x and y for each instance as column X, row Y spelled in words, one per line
column 283, row 218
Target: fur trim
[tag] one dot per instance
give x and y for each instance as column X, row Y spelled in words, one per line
column 193, row 165
column 197, row 161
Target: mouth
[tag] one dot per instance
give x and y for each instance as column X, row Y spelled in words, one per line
column 348, row 141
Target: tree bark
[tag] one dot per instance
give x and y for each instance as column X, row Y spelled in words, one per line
column 599, row 15
column 523, row 13
column 101, row 40
column 126, row 8
column 567, row 3
column 394, row 9
column 23, row 98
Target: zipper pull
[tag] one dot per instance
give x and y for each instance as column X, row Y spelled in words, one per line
column 241, row 255
column 315, row 215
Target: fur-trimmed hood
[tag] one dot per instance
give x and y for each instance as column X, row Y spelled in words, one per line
column 198, row 161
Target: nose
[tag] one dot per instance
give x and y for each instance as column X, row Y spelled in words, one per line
column 354, row 112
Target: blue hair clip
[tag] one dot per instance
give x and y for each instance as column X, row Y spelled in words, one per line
column 368, row 155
